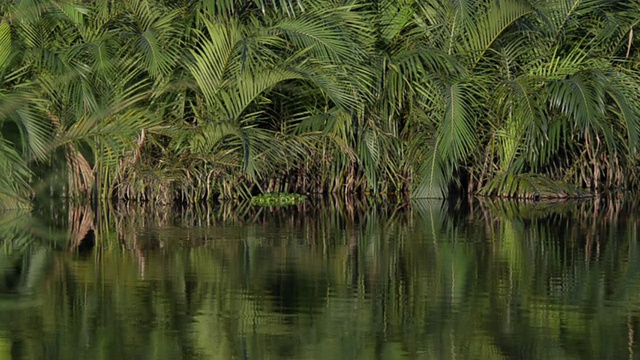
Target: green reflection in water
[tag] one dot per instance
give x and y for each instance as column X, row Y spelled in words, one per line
column 347, row 281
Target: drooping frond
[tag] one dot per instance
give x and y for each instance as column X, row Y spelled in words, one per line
column 456, row 135
column 521, row 124
column 565, row 15
column 73, row 13
column 5, row 44
column 323, row 36
column 233, row 101
column 156, row 34
column 14, row 180
column 233, row 8
column 431, row 180
column 213, row 59
column 580, row 99
column 483, row 32
column 623, row 87
column 34, row 136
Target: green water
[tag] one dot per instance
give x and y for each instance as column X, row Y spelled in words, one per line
column 426, row 281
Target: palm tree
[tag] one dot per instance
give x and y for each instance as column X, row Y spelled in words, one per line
column 565, row 108
column 249, row 117
column 23, row 134
column 94, row 74
column 535, row 95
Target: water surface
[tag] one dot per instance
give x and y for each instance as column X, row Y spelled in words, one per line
column 425, row 280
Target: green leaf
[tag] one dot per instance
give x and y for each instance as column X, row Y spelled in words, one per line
column 5, row 44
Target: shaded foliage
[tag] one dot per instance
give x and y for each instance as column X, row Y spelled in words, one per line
column 190, row 101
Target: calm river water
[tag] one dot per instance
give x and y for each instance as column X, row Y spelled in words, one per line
column 429, row 280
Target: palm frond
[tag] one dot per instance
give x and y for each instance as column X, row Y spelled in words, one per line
column 156, row 32
column 624, row 89
column 431, row 179
column 578, row 98
column 73, row 13
column 530, row 186
column 483, row 32
column 5, row 44
column 456, row 135
column 322, row 35
column 233, row 101
column 213, row 58
column 567, row 14
column 523, row 126
column 231, row 7
column 35, row 131
column 14, row 181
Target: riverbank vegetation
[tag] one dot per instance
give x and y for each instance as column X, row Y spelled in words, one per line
column 191, row 101
column 281, row 199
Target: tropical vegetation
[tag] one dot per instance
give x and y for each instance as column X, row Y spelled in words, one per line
column 281, row 199
column 190, row 101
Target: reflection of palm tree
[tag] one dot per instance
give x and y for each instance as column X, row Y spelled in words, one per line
column 24, row 260
column 81, row 227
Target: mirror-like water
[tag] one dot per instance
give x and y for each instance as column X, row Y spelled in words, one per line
column 429, row 281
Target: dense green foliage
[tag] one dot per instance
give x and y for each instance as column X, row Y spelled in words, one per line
column 482, row 281
column 193, row 100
